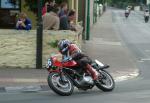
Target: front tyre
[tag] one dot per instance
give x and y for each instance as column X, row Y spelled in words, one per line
column 58, row 86
column 106, row 82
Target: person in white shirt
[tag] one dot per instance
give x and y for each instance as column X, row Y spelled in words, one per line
column 146, row 13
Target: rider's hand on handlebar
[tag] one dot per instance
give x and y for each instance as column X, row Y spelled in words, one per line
column 67, row 59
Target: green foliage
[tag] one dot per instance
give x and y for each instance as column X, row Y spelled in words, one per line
column 124, row 3
column 101, row 1
column 32, row 15
column 53, row 44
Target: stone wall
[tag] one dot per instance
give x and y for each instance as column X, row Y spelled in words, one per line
column 18, row 48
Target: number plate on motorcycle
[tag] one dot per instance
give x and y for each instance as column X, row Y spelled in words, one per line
column 49, row 63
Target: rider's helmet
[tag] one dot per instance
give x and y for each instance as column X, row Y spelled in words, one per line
column 63, row 45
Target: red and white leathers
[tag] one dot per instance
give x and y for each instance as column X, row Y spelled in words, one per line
column 82, row 60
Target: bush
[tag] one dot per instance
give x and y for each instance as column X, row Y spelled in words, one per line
column 53, row 44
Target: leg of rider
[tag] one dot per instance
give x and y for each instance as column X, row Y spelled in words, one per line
column 85, row 64
column 93, row 72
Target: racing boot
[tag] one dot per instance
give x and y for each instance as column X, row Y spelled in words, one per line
column 93, row 72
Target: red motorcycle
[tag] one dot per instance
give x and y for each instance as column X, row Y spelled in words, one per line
column 65, row 74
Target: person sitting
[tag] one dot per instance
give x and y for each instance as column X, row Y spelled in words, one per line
column 63, row 9
column 23, row 23
column 65, row 21
column 48, row 7
column 51, row 20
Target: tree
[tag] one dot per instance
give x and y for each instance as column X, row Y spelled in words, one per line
column 101, row 1
column 124, row 3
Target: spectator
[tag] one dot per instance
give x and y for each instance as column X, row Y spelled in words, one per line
column 63, row 9
column 23, row 23
column 51, row 20
column 65, row 21
column 48, row 7
column 146, row 13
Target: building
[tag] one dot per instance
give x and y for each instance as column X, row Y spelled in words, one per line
column 86, row 12
column 8, row 11
column 10, row 8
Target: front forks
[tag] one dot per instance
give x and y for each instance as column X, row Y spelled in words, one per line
column 62, row 77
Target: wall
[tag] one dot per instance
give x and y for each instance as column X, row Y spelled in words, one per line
column 18, row 48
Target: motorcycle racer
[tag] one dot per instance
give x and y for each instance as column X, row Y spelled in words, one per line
column 71, row 51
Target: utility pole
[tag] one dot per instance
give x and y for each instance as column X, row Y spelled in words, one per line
column 39, row 37
column 88, row 20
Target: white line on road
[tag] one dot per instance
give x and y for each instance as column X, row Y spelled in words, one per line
column 147, row 50
column 23, row 80
column 145, row 59
column 128, row 76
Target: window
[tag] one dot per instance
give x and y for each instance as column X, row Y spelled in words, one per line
column 8, row 11
column 10, row 4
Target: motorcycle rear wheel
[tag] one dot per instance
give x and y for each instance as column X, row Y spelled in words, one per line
column 62, row 88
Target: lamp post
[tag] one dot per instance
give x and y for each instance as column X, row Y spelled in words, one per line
column 88, row 21
column 39, row 37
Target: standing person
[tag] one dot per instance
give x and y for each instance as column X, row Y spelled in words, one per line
column 23, row 23
column 65, row 21
column 51, row 20
column 63, row 9
column 48, row 6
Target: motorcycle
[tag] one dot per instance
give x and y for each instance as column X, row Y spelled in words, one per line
column 146, row 18
column 66, row 74
column 126, row 15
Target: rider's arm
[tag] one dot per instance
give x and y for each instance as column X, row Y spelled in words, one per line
column 66, row 57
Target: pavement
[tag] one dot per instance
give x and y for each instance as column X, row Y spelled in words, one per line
column 105, row 45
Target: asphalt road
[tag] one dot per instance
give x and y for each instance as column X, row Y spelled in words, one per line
column 135, row 35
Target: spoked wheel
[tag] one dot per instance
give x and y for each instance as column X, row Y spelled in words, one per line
column 64, row 88
column 105, row 82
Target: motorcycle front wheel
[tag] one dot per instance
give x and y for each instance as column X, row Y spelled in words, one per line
column 64, row 88
column 106, row 82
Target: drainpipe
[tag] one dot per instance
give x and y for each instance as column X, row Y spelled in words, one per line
column 88, row 21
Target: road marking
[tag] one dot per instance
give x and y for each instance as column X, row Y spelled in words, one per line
column 128, row 76
column 147, row 50
column 23, row 80
column 145, row 59
column 25, row 89
column 109, row 43
column 100, row 41
column 140, row 61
